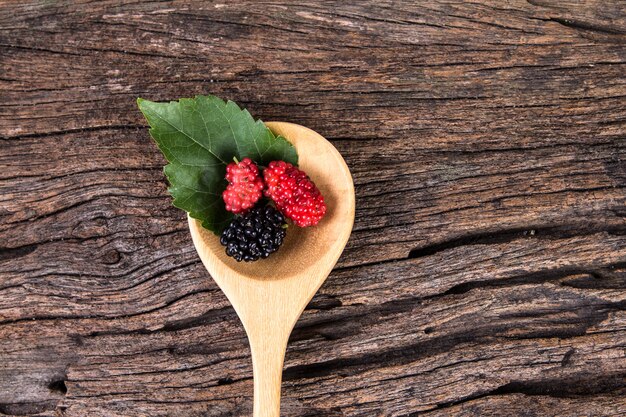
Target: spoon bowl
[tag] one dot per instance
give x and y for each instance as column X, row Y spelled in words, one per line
column 269, row 295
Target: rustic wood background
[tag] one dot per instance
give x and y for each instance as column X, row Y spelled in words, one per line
column 486, row 275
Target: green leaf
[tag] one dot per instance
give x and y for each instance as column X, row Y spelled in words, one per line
column 199, row 137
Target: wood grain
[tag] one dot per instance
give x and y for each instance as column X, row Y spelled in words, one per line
column 487, row 271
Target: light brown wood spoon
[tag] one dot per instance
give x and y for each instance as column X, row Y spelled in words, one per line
column 269, row 295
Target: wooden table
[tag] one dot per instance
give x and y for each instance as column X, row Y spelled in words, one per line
column 486, row 274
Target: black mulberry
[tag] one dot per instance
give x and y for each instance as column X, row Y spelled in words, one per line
column 255, row 235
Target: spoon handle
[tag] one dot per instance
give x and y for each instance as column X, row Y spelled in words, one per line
column 268, row 354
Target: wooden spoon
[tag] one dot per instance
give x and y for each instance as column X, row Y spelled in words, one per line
column 269, row 295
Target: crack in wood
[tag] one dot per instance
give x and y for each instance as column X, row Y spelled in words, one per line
column 509, row 235
column 579, row 385
column 578, row 24
column 70, row 131
column 560, row 274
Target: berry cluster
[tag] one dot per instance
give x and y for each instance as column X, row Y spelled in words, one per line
column 255, row 235
column 257, row 232
column 294, row 193
column 244, row 186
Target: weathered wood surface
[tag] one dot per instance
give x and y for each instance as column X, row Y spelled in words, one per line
column 486, row 274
